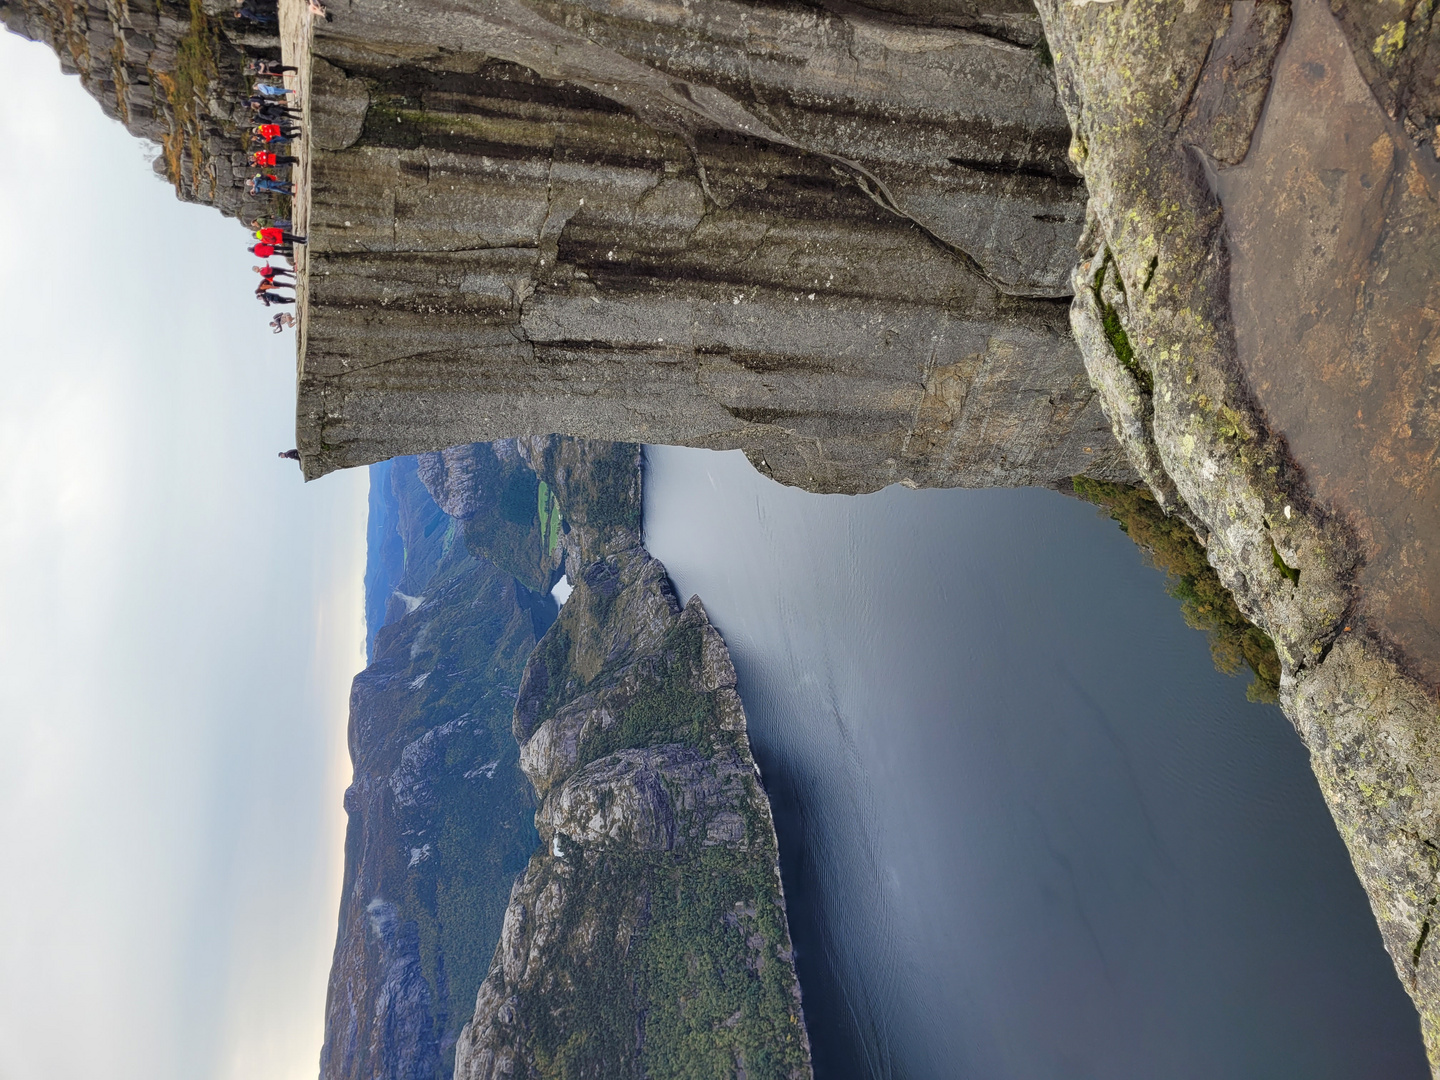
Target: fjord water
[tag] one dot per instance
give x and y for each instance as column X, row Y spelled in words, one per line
column 1026, row 829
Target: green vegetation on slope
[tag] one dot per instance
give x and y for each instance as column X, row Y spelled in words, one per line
column 1114, row 329
column 1206, row 603
column 695, row 979
column 668, row 708
column 549, row 510
column 710, row 966
column 509, row 532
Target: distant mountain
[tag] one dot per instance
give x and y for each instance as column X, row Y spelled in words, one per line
column 441, row 817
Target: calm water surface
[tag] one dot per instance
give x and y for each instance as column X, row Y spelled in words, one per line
column 1027, row 831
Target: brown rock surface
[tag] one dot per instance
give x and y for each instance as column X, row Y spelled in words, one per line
column 1263, row 335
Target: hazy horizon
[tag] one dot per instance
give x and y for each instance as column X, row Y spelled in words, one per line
column 183, row 619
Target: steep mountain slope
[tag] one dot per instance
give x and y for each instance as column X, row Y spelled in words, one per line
column 440, row 814
column 650, row 920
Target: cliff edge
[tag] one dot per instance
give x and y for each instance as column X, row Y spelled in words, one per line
column 1257, row 303
column 837, row 237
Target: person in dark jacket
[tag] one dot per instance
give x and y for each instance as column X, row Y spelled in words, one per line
column 258, row 12
column 290, row 455
column 271, row 111
column 267, row 67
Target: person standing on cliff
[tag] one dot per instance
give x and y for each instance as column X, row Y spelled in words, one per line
column 289, row 455
column 277, row 236
column 283, row 321
column 268, row 293
column 267, row 157
column 264, row 18
column 265, row 251
column 275, row 133
column 267, row 67
column 271, row 110
column 270, row 273
column 275, row 222
column 272, row 91
column 268, row 184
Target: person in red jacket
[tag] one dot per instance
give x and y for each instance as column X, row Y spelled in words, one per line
column 270, row 273
column 277, row 236
column 275, row 132
column 269, row 157
column 264, row 251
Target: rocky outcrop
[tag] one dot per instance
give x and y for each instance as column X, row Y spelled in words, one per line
column 647, row 937
column 837, row 237
column 1259, row 316
column 172, row 73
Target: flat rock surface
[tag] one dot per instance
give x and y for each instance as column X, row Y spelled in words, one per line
column 1334, row 229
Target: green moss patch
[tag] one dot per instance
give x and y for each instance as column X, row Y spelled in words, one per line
column 1291, row 573
column 1114, row 329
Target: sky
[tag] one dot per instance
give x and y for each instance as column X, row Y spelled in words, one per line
column 181, row 620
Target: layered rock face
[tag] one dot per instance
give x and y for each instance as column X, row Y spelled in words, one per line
column 838, row 238
column 172, row 73
column 647, row 937
column 1257, row 304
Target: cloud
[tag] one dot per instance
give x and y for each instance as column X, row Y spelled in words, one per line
column 181, row 619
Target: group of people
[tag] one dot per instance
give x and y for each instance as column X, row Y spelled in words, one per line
column 277, row 127
column 266, row 13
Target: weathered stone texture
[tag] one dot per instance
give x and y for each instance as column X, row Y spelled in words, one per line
column 839, row 239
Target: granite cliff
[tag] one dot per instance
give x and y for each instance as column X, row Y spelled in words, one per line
column 1256, row 301
column 835, row 236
